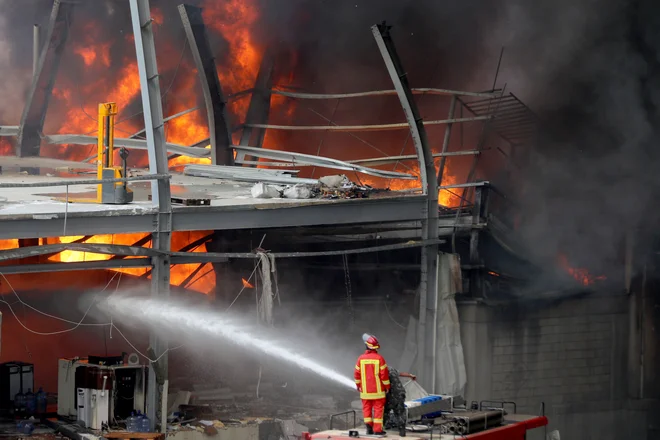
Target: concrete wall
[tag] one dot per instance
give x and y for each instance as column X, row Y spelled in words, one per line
column 571, row 355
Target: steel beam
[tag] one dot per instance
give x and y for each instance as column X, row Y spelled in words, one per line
column 321, row 161
column 96, row 248
column 9, row 130
column 210, row 257
column 153, row 123
column 206, row 218
column 445, row 143
column 36, row 48
column 259, row 108
column 392, row 159
column 216, row 105
column 137, row 144
column 82, row 265
column 416, row 91
column 371, row 127
column 429, row 272
column 34, row 113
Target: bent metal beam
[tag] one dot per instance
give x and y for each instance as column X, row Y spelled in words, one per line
column 34, row 113
column 216, row 106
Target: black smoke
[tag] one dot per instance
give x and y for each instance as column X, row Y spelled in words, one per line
column 588, row 68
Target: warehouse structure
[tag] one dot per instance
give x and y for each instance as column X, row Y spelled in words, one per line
column 403, row 221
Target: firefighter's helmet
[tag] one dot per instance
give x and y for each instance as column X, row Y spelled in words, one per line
column 370, row 341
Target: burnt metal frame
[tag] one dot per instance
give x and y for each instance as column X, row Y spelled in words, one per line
column 34, row 112
column 204, row 218
column 175, row 257
column 154, row 130
column 428, row 286
column 515, row 123
column 216, row 104
column 162, row 218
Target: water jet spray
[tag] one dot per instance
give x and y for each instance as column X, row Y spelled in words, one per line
column 159, row 313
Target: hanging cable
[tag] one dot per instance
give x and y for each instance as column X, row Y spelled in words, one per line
column 78, row 324
column 176, row 70
column 142, row 354
column 256, row 266
column 387, row 309
column 347, row 282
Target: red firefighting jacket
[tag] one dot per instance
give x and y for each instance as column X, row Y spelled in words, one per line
column 372, row 376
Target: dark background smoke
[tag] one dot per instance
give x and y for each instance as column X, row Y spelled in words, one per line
column 588, row 68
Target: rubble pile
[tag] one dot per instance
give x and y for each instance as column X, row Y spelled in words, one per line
column 278, row 409
column 328, row 187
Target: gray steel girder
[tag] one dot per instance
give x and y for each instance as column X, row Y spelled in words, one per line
column 97, row 248
column 216, row 105
column 161, row 226
column 34, row 113
column 81, row 265
column 218, row 218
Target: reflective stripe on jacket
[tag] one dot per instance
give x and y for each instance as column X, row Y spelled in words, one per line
column 372, row 376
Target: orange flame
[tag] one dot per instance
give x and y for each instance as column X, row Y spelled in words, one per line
column 447, row 198
column 234, row 19
column 6, row 148
column 199, row 277
column 8, row 244
column 581, row 275
column 246, row 284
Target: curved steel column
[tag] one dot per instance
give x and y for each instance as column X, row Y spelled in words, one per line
column 428, row 285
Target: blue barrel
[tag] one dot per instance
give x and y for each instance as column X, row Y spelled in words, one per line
column 42, row 401
column 30, row 402
column 145, row 424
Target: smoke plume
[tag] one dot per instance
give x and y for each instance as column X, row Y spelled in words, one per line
column 588, row 68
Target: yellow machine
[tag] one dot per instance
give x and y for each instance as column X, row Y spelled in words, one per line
column 112, row 193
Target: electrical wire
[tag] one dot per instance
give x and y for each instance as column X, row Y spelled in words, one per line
column 142, row 354
column 392, row 317
column 176, row 70
column 256, row 265
column 77, row 324
column 111, row 323
column 53, row 316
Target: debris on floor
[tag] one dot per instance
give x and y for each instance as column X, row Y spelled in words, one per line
column 329, row 187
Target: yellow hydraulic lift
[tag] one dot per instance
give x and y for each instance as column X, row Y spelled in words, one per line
column 111, row 193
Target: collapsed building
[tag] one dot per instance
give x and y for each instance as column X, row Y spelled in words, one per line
column 407, row 229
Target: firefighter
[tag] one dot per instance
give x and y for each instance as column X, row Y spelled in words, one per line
column 373, row 382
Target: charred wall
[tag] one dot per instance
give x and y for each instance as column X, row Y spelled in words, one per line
column 571, row 355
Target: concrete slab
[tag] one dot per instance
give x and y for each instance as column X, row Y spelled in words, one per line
column 223, row 193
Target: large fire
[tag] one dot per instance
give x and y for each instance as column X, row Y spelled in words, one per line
column 197, row 277
column 580, row 275
column 234, row 20
column 102, row 81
